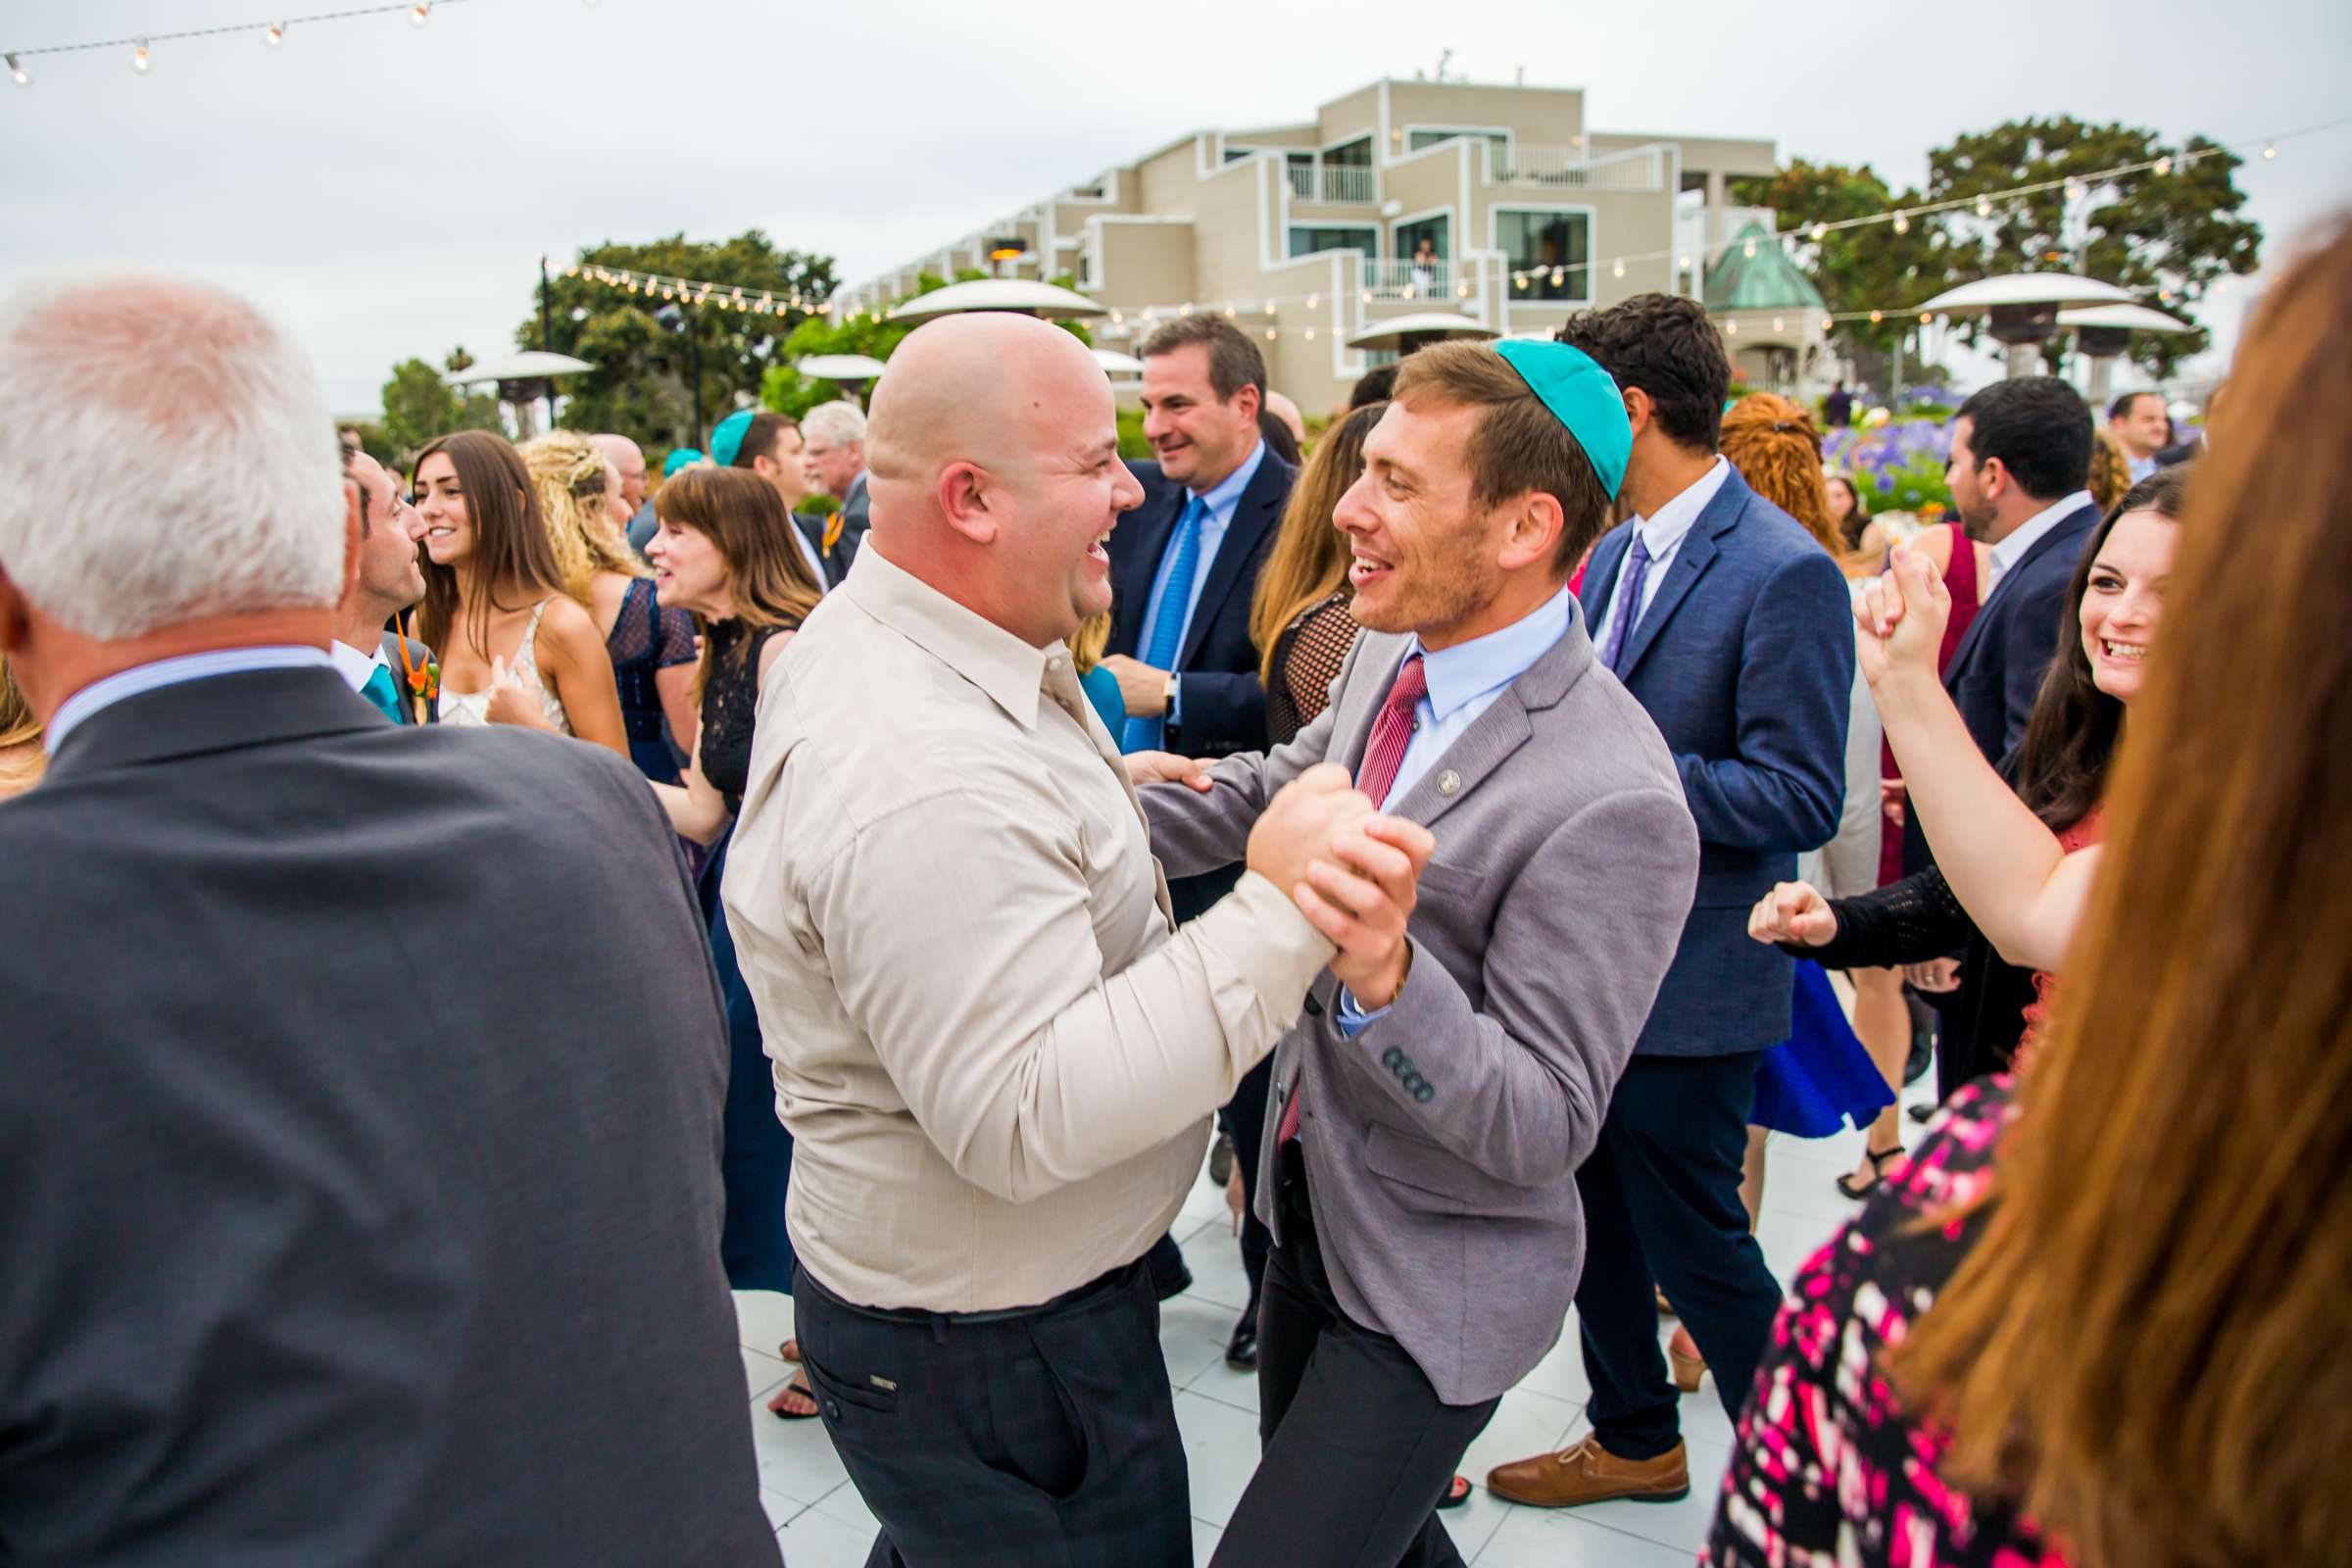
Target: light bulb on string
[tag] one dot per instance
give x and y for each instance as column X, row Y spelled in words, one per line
column 1730, row 330
column 138, row 58
column 1829, row 324
column 1368, row 296
column 1983, row 207
column 1461, row 290
column 1270, row 334
column 1619, row 269
column 2164, row 167
column 275, row 34
column 2074, row 190
column 1876, row 317
column 1310, row 334
column 1559, row 277
column 1518, row 280
column 419, row 15
column 1749, row 250
column 1230, row 314
column 22, row 76
column 1924, row 318
column 1779, row 325
column 2270, row 149
column 1314, row 300
column 1902, row 222
column 1686, row 264
column 1821, row 231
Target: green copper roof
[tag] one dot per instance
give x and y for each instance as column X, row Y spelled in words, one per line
column 1765, row 281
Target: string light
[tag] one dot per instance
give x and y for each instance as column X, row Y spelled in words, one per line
column 1620, row 266
column 1923, row 318
column 1559, row 277
column 1749, row 250
column 1779, row 325
column 1269, row 306
column 24, row 77
column 419, row 15
column 1461, row 290
column 2164, row 167
column 2270, row 149
column 2074, row 190
column 1820, row 233
column 138, row 58
column 1310, row 334
column 1270, row 334
column 1983, row 207
column 1876, row 317
column 1902, row 222
column 275, row 34
column 1731, row 328
column 1827, row 323
column 1313, row 300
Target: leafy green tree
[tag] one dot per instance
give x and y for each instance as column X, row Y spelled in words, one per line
column 2166, row 237
column 645, row 345
column 420, row 405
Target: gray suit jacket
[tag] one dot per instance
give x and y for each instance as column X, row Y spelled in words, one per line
column 1442, row 1140
column 360, row 1147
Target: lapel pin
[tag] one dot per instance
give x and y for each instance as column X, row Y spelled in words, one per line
column 1449, row 782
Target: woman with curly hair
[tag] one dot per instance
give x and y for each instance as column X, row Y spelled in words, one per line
column 20, row 754
column 651, row 649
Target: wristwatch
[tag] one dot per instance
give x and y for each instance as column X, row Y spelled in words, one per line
column 1167, row 695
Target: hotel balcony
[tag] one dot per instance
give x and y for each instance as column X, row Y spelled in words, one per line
column 1337, row 184
column 1644, row 168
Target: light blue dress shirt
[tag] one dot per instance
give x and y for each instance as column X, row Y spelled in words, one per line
column 1662, row 536
column 104, row 694
column 1222, row 503
column 1464, row 681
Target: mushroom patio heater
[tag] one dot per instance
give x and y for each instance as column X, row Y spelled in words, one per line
column 1025, row 298
column 1406, row 333
column 2103, row 331
column 2020, row 309
column 522, row 380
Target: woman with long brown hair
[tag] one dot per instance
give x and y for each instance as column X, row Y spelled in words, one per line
column 651, row 649
column 1298, row 614
column 512, row 646
column 724, row 550
column 2099, row 1320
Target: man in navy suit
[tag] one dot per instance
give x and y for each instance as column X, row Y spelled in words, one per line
column 1183, row 570
column 388, row 581
column 1731, row 627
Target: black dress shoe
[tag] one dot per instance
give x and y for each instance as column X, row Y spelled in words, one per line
column 1170, row 1276
column 1240, row 1351
column 1220, row 1161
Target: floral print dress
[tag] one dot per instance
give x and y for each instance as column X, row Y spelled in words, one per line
column 1830, row 1471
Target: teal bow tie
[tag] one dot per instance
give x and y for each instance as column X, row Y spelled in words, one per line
column 381, row 691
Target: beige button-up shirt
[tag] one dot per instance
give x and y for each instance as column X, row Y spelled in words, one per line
column 995, row 1050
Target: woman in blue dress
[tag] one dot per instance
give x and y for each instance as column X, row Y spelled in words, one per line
column 723, row 551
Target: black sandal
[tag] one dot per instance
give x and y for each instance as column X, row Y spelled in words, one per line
column 1878, row 1172
column 1457, row 1493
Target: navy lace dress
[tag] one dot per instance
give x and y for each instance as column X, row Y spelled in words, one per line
column 756, row 1160
column 645, row 639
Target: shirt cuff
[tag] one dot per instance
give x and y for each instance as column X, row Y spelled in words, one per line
column 1352, row 1019
column 1175, row 712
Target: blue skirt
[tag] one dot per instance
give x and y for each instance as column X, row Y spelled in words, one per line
column 755, row 1162
column 1812, row 1081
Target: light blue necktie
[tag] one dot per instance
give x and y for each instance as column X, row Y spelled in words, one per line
column 1167, row 627
column 381, row 691
column 1628, row 604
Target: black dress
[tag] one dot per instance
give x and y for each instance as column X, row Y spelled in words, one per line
column 756, row 1161
column 645, row 640
column 1307, row 657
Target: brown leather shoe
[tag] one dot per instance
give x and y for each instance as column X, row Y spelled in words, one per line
column 1683, row 1360
column 1586, row 1472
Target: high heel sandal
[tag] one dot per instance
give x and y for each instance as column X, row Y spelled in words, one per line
column 1878, row 1159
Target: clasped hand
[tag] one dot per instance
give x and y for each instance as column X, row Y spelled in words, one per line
column 1353, row 873
column 1899, row 620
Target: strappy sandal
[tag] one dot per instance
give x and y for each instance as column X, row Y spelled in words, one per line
column 798, row 1383
column 1878, row 1159
column 1457, row 1493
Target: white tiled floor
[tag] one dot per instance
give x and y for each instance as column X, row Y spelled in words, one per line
column 821, row 1523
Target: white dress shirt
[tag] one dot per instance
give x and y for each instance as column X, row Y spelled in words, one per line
column 2012, row 550
column 103, row 694
column 1662, row 535
column 354, row 665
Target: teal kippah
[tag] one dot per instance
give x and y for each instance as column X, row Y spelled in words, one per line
column 682, row 458
column 727, row 439
column 1583, row 397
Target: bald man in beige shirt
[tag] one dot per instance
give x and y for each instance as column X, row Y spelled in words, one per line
column 996, row 1051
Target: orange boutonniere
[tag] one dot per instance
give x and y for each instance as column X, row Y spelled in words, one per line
column 425, row 682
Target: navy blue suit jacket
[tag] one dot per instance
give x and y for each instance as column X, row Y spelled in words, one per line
column 1997, row 671
column 1224, row 705
column 1746, row 661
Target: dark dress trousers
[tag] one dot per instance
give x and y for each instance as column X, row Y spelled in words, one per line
column 1744, row 658
column 361, row 1150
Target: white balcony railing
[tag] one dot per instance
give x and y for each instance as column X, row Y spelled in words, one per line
column 1642, row 168
column 1411, row 280
column 1340, row 185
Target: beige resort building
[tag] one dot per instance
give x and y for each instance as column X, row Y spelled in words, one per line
column 1404, row 197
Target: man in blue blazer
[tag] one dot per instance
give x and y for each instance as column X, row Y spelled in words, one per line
column 1183, row 570
column 1731, row 627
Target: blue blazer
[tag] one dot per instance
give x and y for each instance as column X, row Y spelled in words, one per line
column 1746, row 661
column 1224, row 705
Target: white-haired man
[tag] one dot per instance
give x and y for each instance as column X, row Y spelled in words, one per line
column 835, row 433
column 300, row 1010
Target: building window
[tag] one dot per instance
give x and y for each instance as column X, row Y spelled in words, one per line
column 1431, row 136
column 1553, row 251
column 1357, row 154
column 1437, row 230
column 1310, row 239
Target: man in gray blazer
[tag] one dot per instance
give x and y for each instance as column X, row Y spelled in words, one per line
column 1427, row 1125
column 360, row 1143
column 835, row 452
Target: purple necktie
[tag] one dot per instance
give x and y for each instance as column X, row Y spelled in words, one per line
column 1629, row 601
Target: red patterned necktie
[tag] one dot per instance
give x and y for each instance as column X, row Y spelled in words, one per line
column 1384, row 753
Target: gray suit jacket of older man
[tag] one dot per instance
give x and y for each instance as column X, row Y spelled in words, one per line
column 1441, row 1140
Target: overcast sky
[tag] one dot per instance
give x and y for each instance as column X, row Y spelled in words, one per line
column 386, row 189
